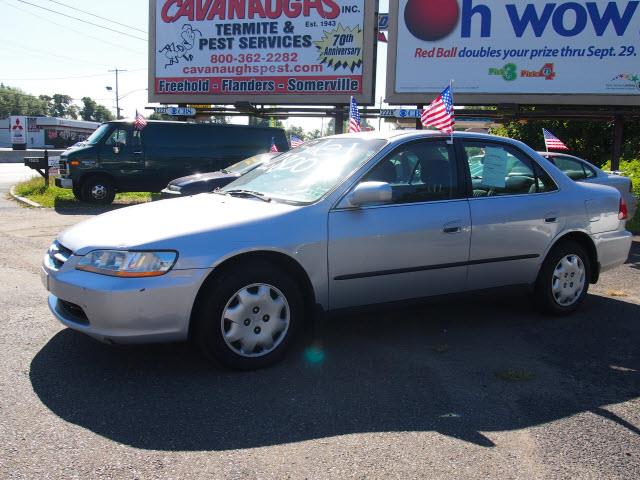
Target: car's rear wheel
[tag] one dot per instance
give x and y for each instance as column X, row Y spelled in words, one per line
column 563, row 281
column 248, row 315
column 98, row 190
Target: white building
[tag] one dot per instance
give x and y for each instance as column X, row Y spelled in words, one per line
column 48, row 132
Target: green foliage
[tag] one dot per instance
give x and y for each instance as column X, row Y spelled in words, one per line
column 297, row 131
column 93, row 112
column 631, row 169
column 34, row 189
column 590, row 140
column 313, row 134
column 16, row 102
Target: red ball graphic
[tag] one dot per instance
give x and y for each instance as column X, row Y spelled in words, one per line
column 431, row 20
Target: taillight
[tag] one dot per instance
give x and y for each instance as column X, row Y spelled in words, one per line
column 623, row 212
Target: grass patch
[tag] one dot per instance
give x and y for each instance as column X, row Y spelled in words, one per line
column 515, row 375
column 34, row 189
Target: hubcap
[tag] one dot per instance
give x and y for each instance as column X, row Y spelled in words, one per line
column 255, row 320
column 99, row 192
column 568, row 280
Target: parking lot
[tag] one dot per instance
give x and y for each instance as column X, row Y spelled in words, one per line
column 483, row 388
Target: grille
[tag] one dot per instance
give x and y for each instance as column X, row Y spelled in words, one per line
column 62, row 165
column 72, row 310
column 59, row 254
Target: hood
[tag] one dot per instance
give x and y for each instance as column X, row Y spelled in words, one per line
column 201, row 177
column 156, row 224
column 77, row 149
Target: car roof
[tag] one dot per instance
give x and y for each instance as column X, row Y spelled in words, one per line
column 417, row 134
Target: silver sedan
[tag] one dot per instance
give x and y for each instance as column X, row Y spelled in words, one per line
column 344, row 221
column 580, row 170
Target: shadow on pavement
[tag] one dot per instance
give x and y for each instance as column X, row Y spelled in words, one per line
column 439, row 368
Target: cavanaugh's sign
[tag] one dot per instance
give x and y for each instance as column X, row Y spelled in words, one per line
column 292, row 51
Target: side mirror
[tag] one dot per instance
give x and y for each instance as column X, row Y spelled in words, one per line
column 370, row 192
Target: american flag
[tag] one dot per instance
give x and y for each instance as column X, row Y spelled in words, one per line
column 440, row 113
column 354, row 117
column 274, row 148
column 140, row 122
column 296, row 141
column 552, row 142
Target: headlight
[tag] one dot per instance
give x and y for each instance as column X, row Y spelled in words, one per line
column 119, row 263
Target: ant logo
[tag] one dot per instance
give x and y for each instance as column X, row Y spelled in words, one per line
column 175, row 51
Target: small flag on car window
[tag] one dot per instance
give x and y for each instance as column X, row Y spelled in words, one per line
column 440, row 113
column 140, row 122
column 296, row 141
column 274, row 147
column 552, row 142
column 354, row 117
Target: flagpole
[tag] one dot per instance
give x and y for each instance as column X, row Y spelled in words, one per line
column 452, row 105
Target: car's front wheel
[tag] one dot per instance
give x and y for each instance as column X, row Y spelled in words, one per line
column 248, row 315
column 563, row 281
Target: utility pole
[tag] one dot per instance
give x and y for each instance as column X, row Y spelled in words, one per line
column 118, row 116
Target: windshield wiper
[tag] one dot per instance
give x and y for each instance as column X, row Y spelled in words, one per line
column 248, row 193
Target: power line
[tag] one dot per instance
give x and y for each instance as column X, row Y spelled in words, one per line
column 47, row 54
column 98, row 16
column 67, row 28
column 82, row 20
column 69, row 78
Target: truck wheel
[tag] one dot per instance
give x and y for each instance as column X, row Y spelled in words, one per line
column 248, row 316
column 77, row 192
column 563, row 280
column 98, row 190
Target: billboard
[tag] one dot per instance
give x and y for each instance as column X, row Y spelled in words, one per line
column 261, row 51
column 526, row 52
column 18, row 130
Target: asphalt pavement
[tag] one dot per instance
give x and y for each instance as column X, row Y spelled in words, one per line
column 481, row 388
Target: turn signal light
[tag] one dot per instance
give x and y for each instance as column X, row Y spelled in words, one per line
column 623, row 211
column 74, row 163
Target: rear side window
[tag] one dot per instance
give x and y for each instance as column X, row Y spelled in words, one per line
column 498, row 170
column 574, row 169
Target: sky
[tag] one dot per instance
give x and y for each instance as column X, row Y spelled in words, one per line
column 45, row 53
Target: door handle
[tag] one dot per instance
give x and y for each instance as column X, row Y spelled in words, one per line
column 452, row 227
column 551, row 217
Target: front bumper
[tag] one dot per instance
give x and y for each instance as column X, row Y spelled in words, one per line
column 64, row 182
column 166, row 193
column 123, row 310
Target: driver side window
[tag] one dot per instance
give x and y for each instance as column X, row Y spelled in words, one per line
column 418, row 172
column 117, row 137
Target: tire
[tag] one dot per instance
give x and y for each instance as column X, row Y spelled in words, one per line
column 77, row 192
column 273, row 312
column 98, row 190
column 563, row 281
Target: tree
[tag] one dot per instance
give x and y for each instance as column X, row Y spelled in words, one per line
column 591, row 140
column 93, row 112
column 313, row 134
column 16, row 102
column 295, row 131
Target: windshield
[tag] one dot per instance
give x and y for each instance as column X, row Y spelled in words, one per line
column 307, row 173
column 250, row 163
column 98, row 134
